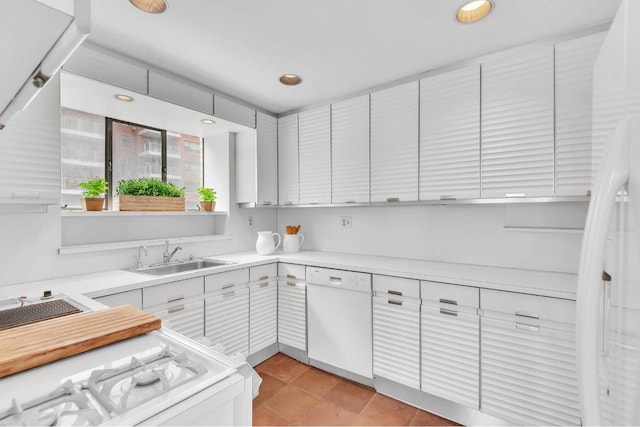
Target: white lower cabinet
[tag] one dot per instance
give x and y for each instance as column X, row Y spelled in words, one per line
column 227, row 319
column 186, row 318
column 396, row 330
column 528, row 359
column 451, row 342
column 292, row 306
column 263, row 307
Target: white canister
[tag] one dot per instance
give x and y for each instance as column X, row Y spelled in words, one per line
column 265, row 244
column 292, row 242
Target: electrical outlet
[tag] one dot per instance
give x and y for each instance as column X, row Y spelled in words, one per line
column 345, row 222
column 250, row 220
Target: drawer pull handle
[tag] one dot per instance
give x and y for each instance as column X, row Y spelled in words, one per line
column 267, row 203
column 448, row 312
column 291, row 276
column 393, row 199
column 264, row 285
column 395, row 302
column 264, row 277
column 291, row 284
column 228, row 285
column 447, row 197
column 175, row 309
column 527, row 315
column 514, row 195
column 606, row 277
column 394, row 292
column 528, row 328
column 175, row 298
column 228, row 294
column 448, row 301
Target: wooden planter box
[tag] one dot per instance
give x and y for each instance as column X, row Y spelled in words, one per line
column 151, row 203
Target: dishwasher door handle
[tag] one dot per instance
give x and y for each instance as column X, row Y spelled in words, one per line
column 336, row 281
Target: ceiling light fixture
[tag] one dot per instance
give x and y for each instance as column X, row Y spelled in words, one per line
column 123, row 98
column 150, row 6
column 290, row 79
column 473, row 11
column 207, row 121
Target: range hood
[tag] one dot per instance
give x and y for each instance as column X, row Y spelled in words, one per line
column 38, row 40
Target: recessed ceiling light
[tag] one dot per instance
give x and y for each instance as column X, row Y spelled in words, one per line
column 207, row 121
column 151, row 6
column 123, row 98
column 473, row 11
column 290, row 79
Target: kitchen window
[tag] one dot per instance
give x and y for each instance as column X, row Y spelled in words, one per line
column 94, row 146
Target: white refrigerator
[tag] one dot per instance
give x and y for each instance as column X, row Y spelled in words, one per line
column 608, row 296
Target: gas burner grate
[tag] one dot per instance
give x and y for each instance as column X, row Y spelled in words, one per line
column 33, row 313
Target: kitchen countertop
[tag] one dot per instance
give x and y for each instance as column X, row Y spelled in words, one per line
column 559, row 285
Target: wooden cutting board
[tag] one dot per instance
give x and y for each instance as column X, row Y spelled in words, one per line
column 33, row 345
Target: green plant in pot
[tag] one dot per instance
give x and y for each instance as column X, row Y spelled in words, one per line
column 149, row 194
column 93, row 191
column 207, row 199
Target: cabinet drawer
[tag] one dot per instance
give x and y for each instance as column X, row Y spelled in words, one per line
column 133, row 298
column 291, row 271
column 170, row 292
column 215, row 282
column 448, row 296
column 396, row 286
column 263, row 272
column 530, row 308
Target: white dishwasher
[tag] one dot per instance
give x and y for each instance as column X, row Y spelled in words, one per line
column 339, row 322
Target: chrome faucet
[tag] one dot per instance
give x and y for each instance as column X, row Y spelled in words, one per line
column 166, row 257
column 139, row 256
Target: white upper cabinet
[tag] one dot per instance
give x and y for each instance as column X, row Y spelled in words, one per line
column 288, row 187
column 314, row 143
column 394, row 144
column 517, row 154
column 267, row 164
column 234, row 111
column 101, row 65
column 450, row 135
column 177, row 92
column 574, row 82
column 350, row 150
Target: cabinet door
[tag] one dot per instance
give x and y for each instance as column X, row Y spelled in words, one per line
column 574, row 101
column 517, row 125
column 186, row 319
column 227, row 320
column 350, row 151
column 450, row 135
column 292, row 314
column 170, row 89
column 98, row 64
column 394, row 144
column 267, row 161
column 288, row 188
column 314, row 143
column 233, row 111
column 263, row 315
column 133, row 298
column 396, row 340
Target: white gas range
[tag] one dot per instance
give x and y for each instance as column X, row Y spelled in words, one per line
column 158, row 378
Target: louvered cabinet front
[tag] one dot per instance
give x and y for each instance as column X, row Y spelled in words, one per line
column 227, row 320
column 288, row 177
column 263, row 315
column 396, row 339
column 517, row 125
column 185, row 318
column 528, row 359
column 292, row 314
column 314, row 144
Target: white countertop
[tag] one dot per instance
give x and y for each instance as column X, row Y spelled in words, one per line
column 559, row 285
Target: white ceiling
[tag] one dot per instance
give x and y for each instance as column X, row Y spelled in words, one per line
column 339, row 47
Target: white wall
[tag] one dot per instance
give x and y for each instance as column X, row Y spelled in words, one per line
column 475, row 234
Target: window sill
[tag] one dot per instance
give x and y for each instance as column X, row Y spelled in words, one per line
column 112, row 246
column 82, row 213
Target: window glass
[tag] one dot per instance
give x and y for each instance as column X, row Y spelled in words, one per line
column 82, row 152
column 184, row 165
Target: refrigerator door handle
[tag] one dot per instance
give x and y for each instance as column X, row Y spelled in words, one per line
column 613, row 174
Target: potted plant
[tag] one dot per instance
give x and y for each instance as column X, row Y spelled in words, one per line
column 150, row 194
column 207, row 199
column 93, row 191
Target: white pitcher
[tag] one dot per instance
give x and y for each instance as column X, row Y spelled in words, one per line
column 292, row 242
column 265, row 244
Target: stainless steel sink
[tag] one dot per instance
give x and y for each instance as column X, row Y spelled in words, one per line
column 180, row 267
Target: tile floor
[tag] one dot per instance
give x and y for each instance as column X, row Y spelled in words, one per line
column 293, row 393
